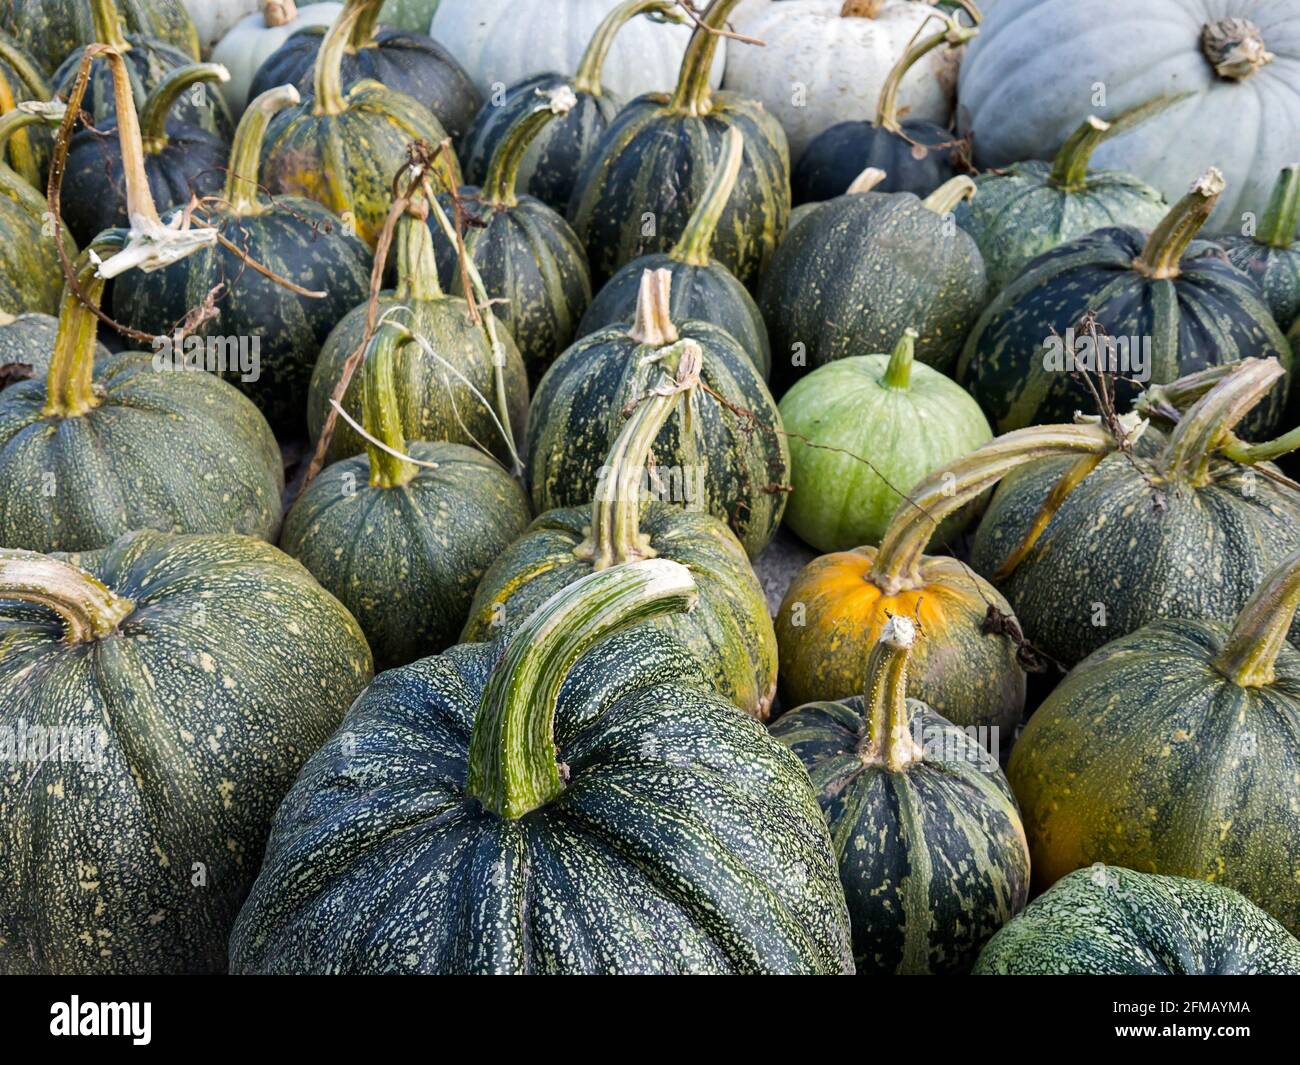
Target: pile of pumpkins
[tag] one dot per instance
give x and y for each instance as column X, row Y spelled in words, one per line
column 396, row 398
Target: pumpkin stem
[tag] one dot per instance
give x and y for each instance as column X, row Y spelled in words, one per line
column 587, row 79
column 69, row 382
column 20, row 154
column 240, row 192
column 693, row 95
column 1249, row 657
column 896, row 567
column 503, row 167
column 888, row 741
column 953, row 35
column 327, row 83
column 1234, row 47
column 33, row 81
column 898, row 374
column 861, row 8
column 615, row 536
column 279, row 12
column 139, row 200
column 13, row 122
column 153, row 116
column 1240, row 451
column 382, row 418
column 866, row 181
column 1070, row 167
column 946, row 197
column 363, row 33
column 1277, row 228
column 1162, row 255
column 694, row 245
column 653, row 325
column 89, row 608
column 417, row 265
column 512, row 755
column 108, row 26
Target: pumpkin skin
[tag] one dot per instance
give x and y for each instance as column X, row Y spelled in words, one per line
column 722, row 810
column 213, row 18
column 51, row 29
column 931, row 850
column 28, row 150
column 28, row 339
column 250, row 665
column 1272, row 255
column 1108, row 921
column 253, row 39
column 413, row 15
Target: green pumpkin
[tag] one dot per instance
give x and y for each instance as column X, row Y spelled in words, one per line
column 1032, row 207
column 27, row 150
column 575, row 801
column 864, row 429
column 733, row 465
column 51, row 29
column 27, row 340
column 447, row 393
column 641, row 184
column 1172, row 306
column 729, row 631
column 344, row 150
column 403, row 545
column 295, row 238
column 414, row 16
column 1107, row 921
column 1271, row 255
column 198, row 673
column 528, row 256
column 931, row 850
column 1187, row 530
column 703, row 289
column 862, row 268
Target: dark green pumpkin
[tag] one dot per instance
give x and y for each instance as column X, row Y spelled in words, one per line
column 931, row 850
column 732, row 465
column 404, row 545
column 27, row 340
column 1107, row 921
column 527, row 255
column 411, row 63
column 50, row 29
column 203, row 671
column 729, row 630
column 859, row 270
column 28, row 150
column 1032, row 207
column 1271, row 254
column 641, row 184
column 703, row 289
column 575, row 801
column 295, row 238
column 1178, row 305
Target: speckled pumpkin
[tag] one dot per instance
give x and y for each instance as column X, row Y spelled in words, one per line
column 931, row 850
column 28, row 340
column 27, row 151
column 197, row 673
column 575, row 801
column 1271, row 255
column 51, row 29
column 1107, row 921
column 404, row 545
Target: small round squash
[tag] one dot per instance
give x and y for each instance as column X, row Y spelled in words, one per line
column 1271, row 255
column 254, row 39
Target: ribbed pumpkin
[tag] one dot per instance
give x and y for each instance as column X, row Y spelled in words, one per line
column 1107, row 921
column 24, row 339
column 732, row 463
column 527, row 255
column 51, row 29
column 1175, row 306
column 254, row 39
column 295, row 238
column 408, row 62
column 447, row 393
column 862, row 268
column 576, row 801
column 864, row 429
column 403, row 545
column 212, row 18
column 1186, row 532
column 191, row 677
column 27, row 150
column 729, row 630
column 549, row 169
column 967, row 668
column 931, row 849
column 916, row 154
column 1271, row 254
column 1032, row 207
column 641, row 184
column 344, row 149
column 703, row 289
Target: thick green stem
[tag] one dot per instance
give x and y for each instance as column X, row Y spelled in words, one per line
column 1277, row 228
column 417, row 265
column 512, row 753
column 32, row 79
column 19, row 149
column 327, row 83
column 888, row 739
column 898, row 374
column 591, row 67
column 695, row 244
column 1267, row 451
column 13, row 124
column 946, row 197
column 503, row 168
column 653, row 325
column 89, row 608
column 246, row 153
column 1249, row 657
column 363, row 33
column 1070, row 167
column 954, row 35
column 1163, row 253
column 153, row 117
column 70, row 381
column 693, row 95
column 382, row 417
column 108, row 24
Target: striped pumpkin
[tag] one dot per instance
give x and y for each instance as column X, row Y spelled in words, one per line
column 1271, row 254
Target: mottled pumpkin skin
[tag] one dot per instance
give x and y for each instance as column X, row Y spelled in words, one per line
column 653, row 161
column 295, row 238
column 1109, row 562
column 1209, row 315
column 409, row 62
column 31, row 276
column 172, row 450
column 529, row 257
column 699, row 293
column 832, row 616
column 1275, row 270
column 51, row 29
column 29, row 339
column 405, row 560
column 578, row 410
column 1107, row 921
column 234, row 666
column 833, row 160
column 933, row 860
column 729, row 631
column 686, row 841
